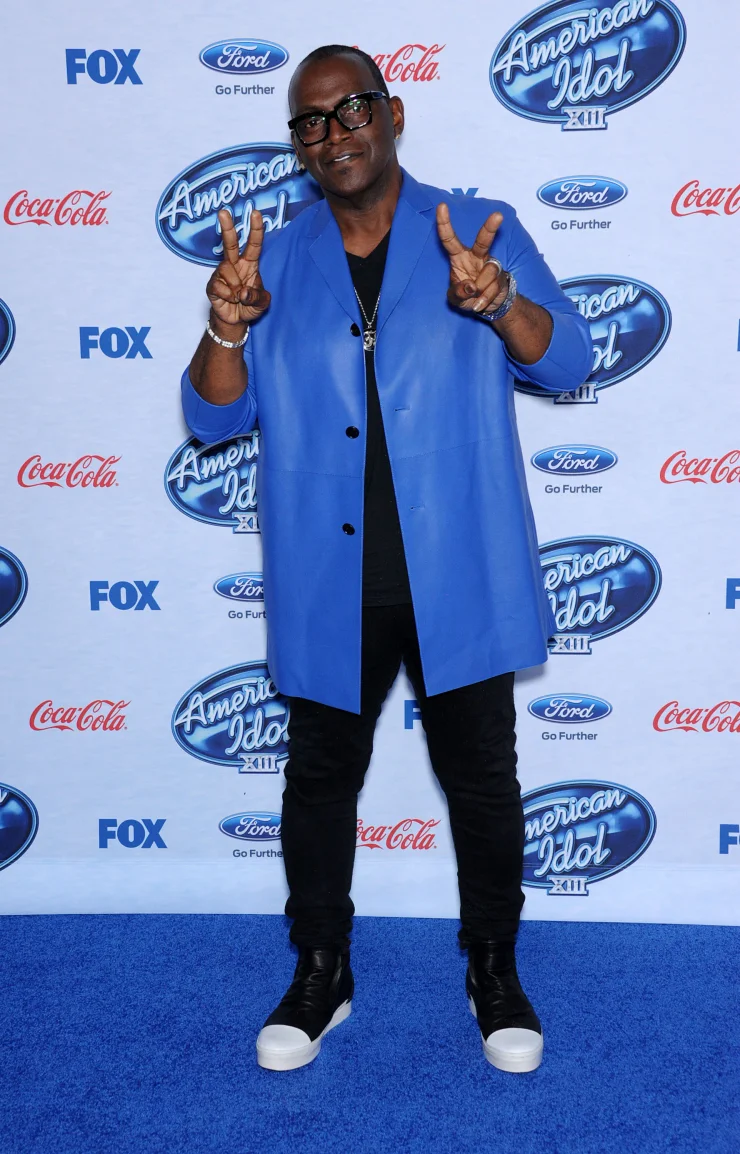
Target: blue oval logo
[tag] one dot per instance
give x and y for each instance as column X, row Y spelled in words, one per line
column 13, row 585
column 629, row 322
column 216, row 484
column 256, row 826
column 248, row 176
column 576, row 65
column 243, row 57
column 241, row 587
column 596, row 586
column 235, row 718
column 580, row 832
column 578, row 193
column 574, row 460
column 7, row 331
column 19, row 821
column 569, row 708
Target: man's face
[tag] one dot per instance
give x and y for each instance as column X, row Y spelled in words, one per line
column 348, row 161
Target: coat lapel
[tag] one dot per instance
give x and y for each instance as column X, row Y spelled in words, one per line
column 327, row 252
column 409, row 233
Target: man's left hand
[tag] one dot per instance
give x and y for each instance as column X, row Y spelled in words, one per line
column 477, row 282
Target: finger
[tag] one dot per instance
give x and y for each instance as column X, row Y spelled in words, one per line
column 446, row 232
column 487, row 235
column 255, row 298
column 228, row 236
column 459, row 294
column 218, row 290
column 227, row 272
column 253, row 247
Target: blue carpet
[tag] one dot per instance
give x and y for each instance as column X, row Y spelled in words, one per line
column 137, row 1033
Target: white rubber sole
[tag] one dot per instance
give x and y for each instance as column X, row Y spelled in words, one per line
column 514, row 1051
column 292, row 1059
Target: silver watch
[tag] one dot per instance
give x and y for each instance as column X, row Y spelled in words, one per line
column 506, row 304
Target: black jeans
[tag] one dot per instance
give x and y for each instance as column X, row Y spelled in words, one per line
column 471, row 743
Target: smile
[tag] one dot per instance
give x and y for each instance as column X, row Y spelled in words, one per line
column 345, row 157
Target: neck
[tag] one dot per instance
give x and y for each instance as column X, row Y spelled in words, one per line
column 365, row 218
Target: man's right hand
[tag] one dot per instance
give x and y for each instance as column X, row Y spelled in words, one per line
column 235, row 290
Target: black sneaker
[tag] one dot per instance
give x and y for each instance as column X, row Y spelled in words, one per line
column 510, row 1029
column 317, row 1000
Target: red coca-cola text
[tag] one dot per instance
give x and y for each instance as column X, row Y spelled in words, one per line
column 701, row 470
column 724, row 717
column 410, row 62
column 689, row 200
column 409, row 833
column 81, row 206
column 91, row 470
column 99, row 714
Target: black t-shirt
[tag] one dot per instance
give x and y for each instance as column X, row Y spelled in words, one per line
column 385, row 578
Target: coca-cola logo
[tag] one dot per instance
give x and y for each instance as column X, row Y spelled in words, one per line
column 409, row 62
column 724, row 717
column 409, row 833
column 216, row 484
column 580, row 832
column 7, row 330
column 19, row 821
column 13, row 585
column 235, row 718
column 81, row 206
column 102, row 714
column 247, row 176
column 701, row 470
column 91, row 471
column 692, row 200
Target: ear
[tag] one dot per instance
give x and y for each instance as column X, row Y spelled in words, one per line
column 399, row 120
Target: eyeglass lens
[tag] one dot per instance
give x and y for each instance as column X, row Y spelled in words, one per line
column 352, row 114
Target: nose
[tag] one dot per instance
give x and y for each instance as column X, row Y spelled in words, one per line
column 337, row 131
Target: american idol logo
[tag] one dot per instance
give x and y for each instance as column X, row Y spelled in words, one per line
column 580, row 832
column 573, row 64
column 19, row 821
column 241, row 587
column 243, row 57
column 216, row 483
column 629, row 322
column 569, row 708
column 596, row 586
column 574, row 460
column 577, row 193
column 235, row 718
column 247, row 176
column 252, row 826
column 13, row 585
column 7, row 331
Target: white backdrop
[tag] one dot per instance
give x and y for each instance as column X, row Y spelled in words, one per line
column 121, row 124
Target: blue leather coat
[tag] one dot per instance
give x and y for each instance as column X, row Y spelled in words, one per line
column 447, row 398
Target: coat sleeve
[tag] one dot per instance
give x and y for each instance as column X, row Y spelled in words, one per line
column 214, row 423
column 569, row 357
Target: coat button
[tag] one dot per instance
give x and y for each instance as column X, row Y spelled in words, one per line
column 354, row 329
column 352, row 431
column 348, row 529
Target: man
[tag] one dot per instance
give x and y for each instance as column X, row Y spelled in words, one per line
column 380, row 365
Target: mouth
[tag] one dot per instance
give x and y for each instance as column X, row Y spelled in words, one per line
column 345, row 157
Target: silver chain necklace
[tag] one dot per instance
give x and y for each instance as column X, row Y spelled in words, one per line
column 369, row 336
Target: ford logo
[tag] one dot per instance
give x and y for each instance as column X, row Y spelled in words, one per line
column 582, row 192
column 13, row 585
column 629, row 322
column 576, row 64
column 235, row 718
column 216, row 483
column 7, row 331
column 569, row 708
column 574, row 460
column 247, row 176
column 19, row 822
column 580, row 832
column 596, row 586
column 241, row 587
column 243, row 57
column 252, row 826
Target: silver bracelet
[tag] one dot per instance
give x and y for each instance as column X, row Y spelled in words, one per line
column 226, row 344
column 505, row 305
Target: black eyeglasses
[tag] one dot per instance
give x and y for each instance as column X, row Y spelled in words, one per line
column 352, row 112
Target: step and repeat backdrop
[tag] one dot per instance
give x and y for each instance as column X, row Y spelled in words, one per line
column 142, row 738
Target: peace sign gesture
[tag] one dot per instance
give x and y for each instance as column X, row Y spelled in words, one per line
column 477, row 281
column 235, row 290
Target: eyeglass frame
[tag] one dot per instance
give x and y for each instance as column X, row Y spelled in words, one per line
column 371, row 95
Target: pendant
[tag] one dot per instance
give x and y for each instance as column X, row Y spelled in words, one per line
column 368, row 340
